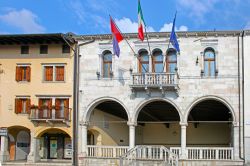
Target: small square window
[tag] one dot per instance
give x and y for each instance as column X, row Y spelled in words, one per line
column 65, row 49
column 43, row 49
column 24, row 49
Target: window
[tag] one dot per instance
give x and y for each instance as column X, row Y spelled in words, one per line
column 209, row 62
column 65, row 49
column 45, row 108
column 22, row 106
column 143, row 62
column 54, row 73
column 43, row 49
column 23, row 73
column 107, row 64
column 157, row 62
column 62, row 108
column 171, row 62
column 24, row 49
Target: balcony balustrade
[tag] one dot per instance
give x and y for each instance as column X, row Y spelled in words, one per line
column 161, row 81
column 50, row 115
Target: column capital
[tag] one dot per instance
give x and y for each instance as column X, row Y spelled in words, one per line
column 183, row 124
column 235, row 124
column 132, row 123
column 84, row 123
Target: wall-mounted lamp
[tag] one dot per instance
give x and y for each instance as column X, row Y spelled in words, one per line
column 98, row 75
column 197, row 61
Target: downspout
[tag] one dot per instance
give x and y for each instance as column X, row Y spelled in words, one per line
column 75, row 97
column 243, row 96
column 76, row 101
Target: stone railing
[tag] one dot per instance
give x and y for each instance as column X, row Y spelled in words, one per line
column 209, row 153
column 206, row 153
column 143, row 153
column 154, row 80
column 106, row 151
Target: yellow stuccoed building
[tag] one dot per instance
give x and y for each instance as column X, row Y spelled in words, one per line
column 36, row 97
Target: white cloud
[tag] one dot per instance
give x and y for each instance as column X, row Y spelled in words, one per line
column 78, row 9
column 128, row 26
column 247, row 25
column 23, row 19
column 168, row 27
column 197, row 8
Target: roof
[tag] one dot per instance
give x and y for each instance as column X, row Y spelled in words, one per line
column 167, row 34
column 58, row 38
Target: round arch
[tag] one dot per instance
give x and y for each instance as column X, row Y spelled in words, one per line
column 142, row 50
column 40, row 132
column 96, row 102
column 145, row 102
column 18, row 127
column 204, row 98
column 155, row 50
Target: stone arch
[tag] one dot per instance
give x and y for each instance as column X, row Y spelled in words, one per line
column 96, row 102
column 147, row 101
column 141, row 50
column 209, row 97
column 40, row 132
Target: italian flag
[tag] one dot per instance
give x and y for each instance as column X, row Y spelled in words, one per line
column 141, row 22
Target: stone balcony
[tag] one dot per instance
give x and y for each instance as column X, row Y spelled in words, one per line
column 162, row 82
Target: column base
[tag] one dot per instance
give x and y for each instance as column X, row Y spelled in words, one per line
column 82, row 159
column 31, row 158
column 183, row 157
column 4, row 156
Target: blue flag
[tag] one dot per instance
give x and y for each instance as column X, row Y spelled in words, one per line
column 116, row 47
column 173, row 38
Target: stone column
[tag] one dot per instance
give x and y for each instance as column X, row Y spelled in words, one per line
column 236, row 140
column 150, row 65
column 183, row 140
column 83, row 150
column 34, row 149
column 83, row 135
column 132, row 126
column 4, row 153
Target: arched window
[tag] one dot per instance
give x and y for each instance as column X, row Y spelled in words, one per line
column 171, row 61
column 157, row 61
column 143, row 61
column 107, row 64
column 209, row 62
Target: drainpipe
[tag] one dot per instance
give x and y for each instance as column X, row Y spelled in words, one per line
column 76, row 51
column 243, row 99
column 76, row 101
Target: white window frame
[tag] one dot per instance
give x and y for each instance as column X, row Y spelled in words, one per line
column 54, row 65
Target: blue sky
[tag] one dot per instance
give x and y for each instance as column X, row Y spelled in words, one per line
column 92, row 16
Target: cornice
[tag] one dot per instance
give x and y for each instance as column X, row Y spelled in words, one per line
column 167, row 34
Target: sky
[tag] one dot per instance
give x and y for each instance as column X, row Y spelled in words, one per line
column 86, row 17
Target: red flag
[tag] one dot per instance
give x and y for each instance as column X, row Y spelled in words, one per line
column 115, row 32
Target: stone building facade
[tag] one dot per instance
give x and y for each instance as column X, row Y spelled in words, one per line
column 152, row 95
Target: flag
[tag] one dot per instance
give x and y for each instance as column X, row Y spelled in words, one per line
column 117, row 37
column 141, row 22
column 173, row 38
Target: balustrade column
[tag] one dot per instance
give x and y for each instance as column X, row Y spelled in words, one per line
column 4, row 153
column 183, row 140
column 132, row 134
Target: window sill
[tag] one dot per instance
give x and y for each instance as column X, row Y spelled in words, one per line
column 23, row 82
column 53, row 81
column 22, row 114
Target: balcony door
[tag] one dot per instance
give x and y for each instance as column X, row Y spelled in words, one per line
column 158, row 62
column 171, row 61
